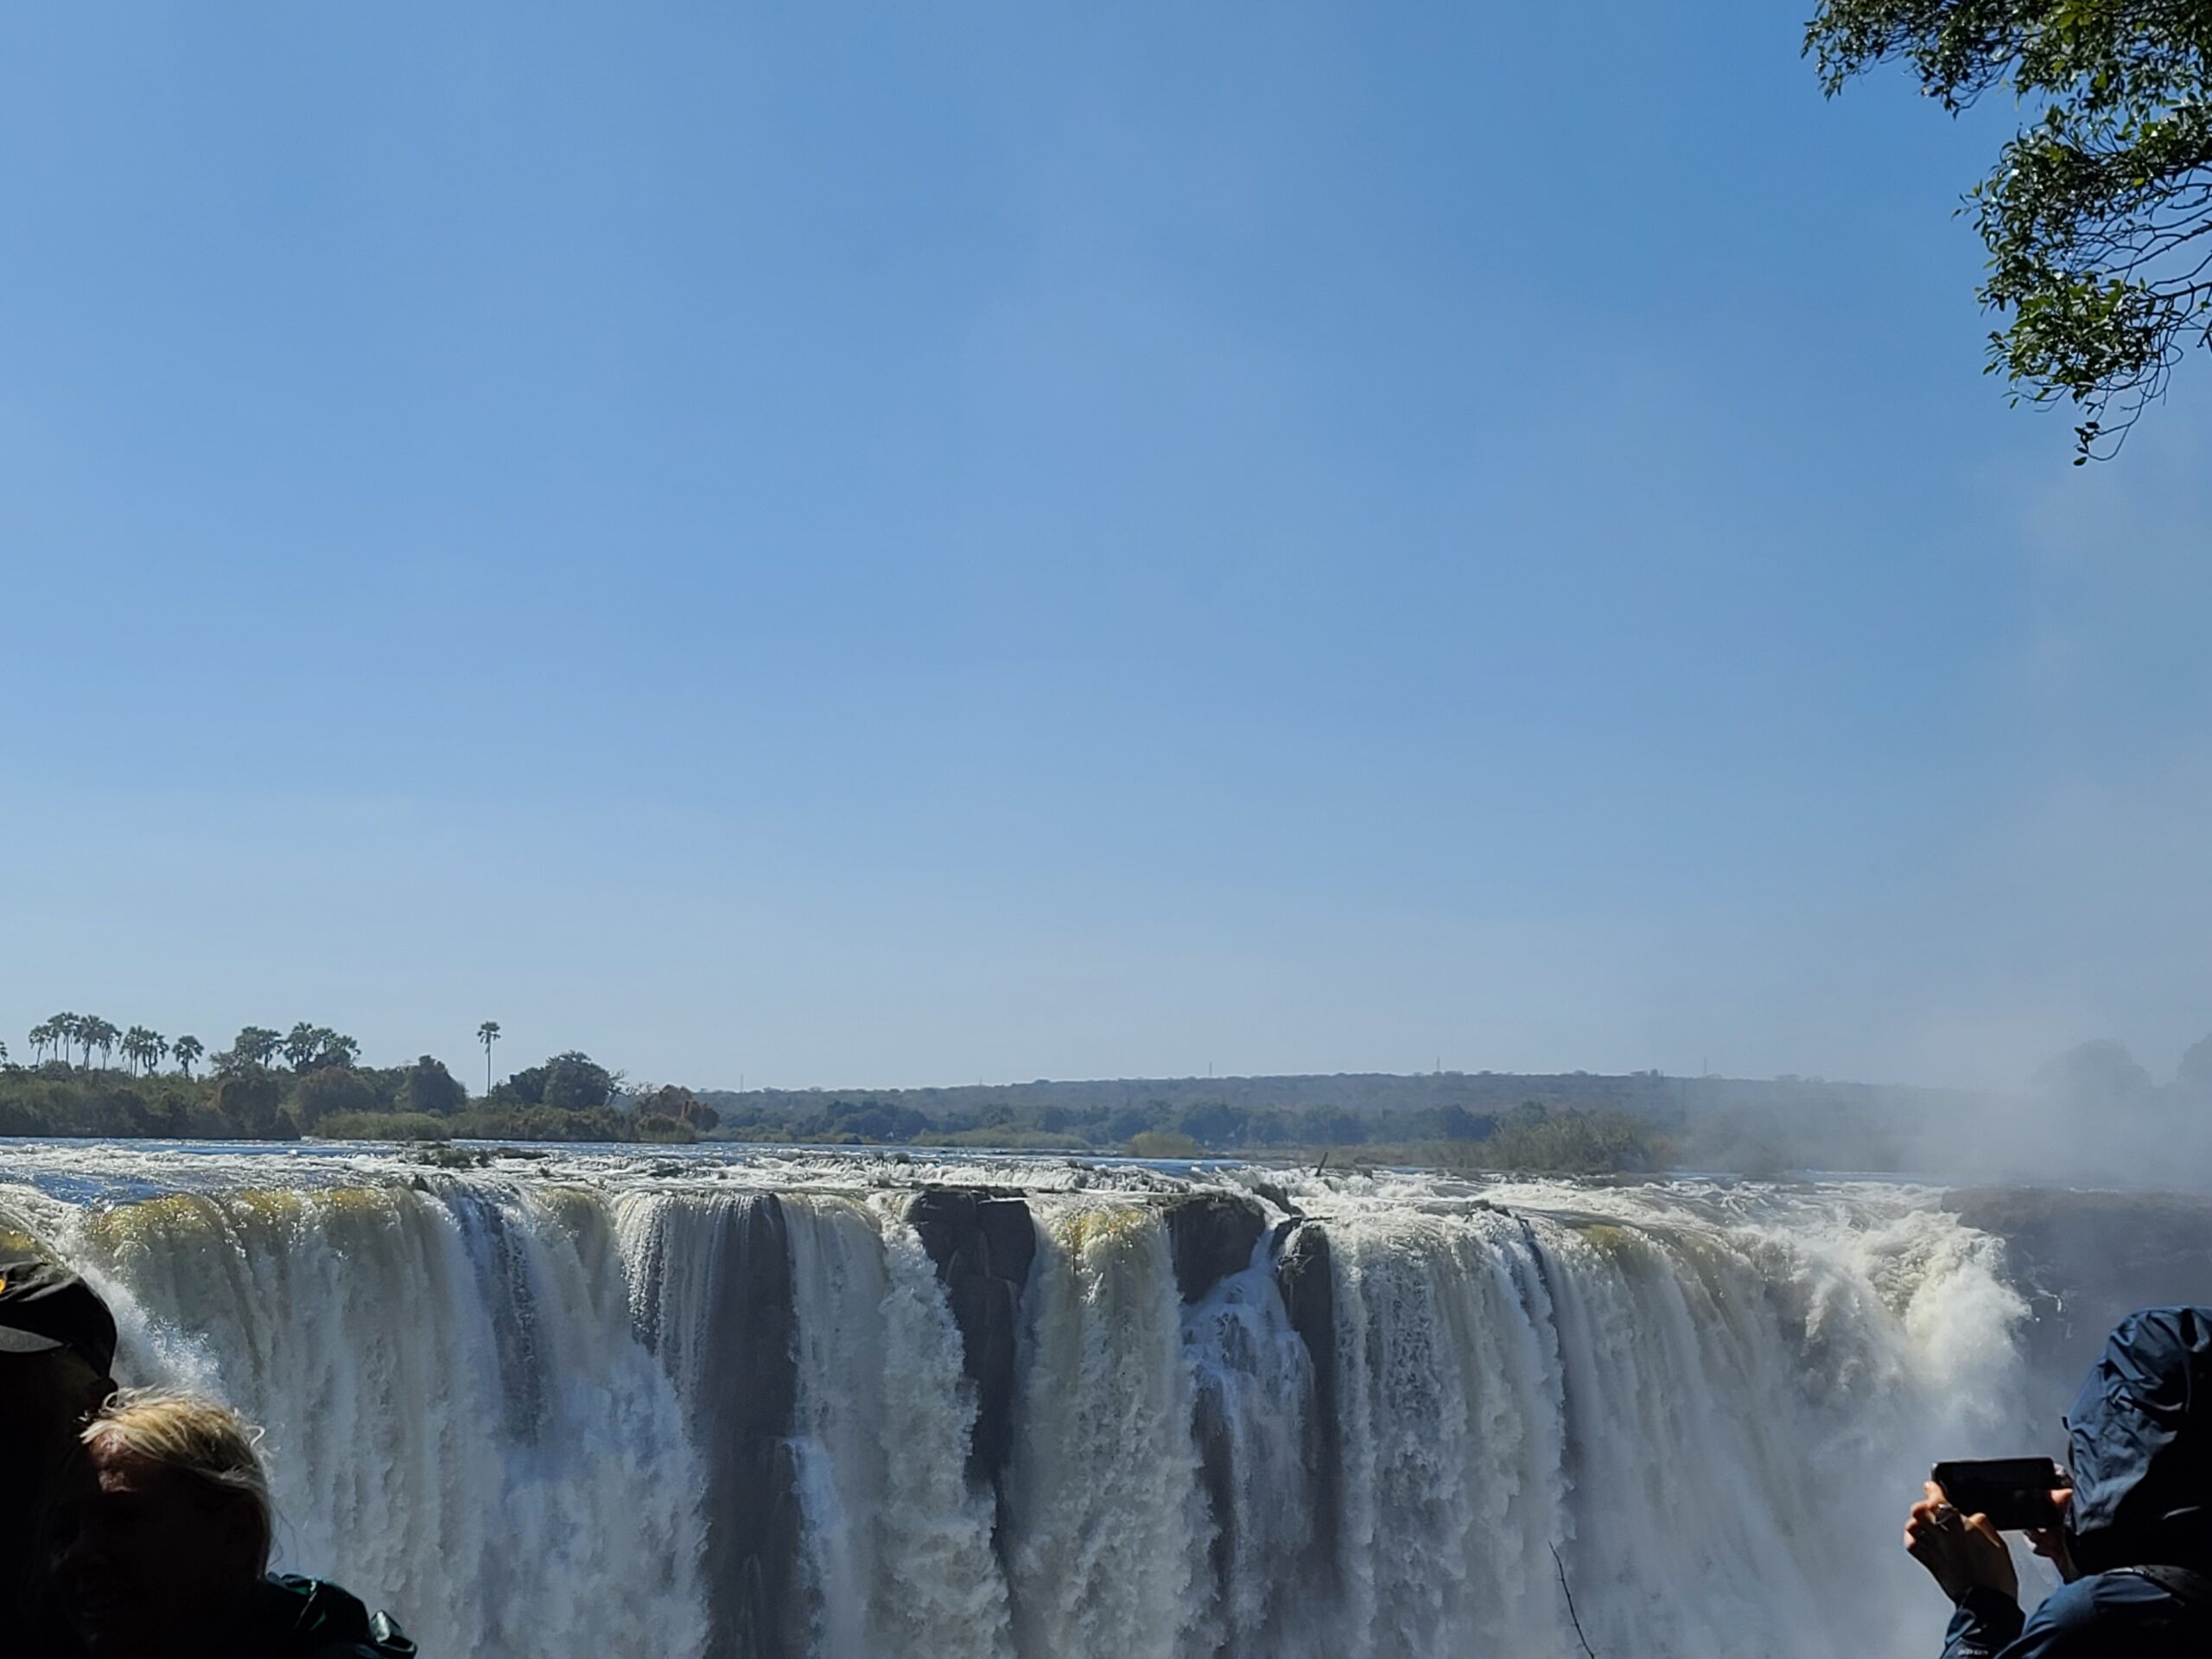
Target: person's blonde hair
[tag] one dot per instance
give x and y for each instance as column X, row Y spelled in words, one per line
column 204, row 1441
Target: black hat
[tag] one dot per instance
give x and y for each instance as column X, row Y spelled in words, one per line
column 44, row 1306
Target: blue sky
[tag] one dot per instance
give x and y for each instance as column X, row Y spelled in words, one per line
column 870, row 544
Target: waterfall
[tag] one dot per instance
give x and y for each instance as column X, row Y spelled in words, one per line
column 840, row 1409
column 897, row 1545
column 460, row 1419
column 1108, row 1525
column 1255, row 1431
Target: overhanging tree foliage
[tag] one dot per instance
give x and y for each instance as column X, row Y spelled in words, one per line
column 2098, row 214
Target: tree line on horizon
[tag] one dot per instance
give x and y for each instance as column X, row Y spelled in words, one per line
column 309, row 1080
column 268, row 1083
column 277, row 1085
column 304, row 1048
column 1534, row 1134
column 272, row 1085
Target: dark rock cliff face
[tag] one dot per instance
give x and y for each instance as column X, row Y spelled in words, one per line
column 983, row 1244
column 747, row 1392
column 1305, row 1274
column 1213, row 1235
column 2083, row 1260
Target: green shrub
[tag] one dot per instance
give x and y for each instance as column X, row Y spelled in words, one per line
column 1571, row 1143
column 385, row 1125
column 1163, row 1143
column 1007, row 1138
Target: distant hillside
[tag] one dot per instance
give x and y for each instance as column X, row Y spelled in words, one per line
column 1699, row 1122
column 1371, row 1094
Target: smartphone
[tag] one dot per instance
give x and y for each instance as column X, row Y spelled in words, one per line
column 2013, row 1492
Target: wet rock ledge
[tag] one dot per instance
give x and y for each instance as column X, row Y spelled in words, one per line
column 983, row 1242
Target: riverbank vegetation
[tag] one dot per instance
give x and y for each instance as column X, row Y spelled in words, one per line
column 272, row 1086
column 571, row 1098
column 96, row 1078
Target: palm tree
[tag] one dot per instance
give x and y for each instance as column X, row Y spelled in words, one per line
column 254, row 1044
column 66, row 1026
column 143, row 1048
column 302, row 1044
column 337, row 1049
column 186, row 1050
column 85, row 1028
column 487, row 1033
column 41, row 1038
column 99, row 1033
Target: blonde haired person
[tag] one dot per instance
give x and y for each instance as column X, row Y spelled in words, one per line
column 171, row 1555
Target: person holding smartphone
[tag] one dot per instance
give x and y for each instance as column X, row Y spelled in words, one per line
column 2134, row 1534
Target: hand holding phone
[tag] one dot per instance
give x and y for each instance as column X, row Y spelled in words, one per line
column 2013, row 1492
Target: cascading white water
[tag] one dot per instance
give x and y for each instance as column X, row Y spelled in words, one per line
column 459, row 1418
column 707, row 1408
column 1108, row 1531
column 1256, row 1415
column 895, row 1544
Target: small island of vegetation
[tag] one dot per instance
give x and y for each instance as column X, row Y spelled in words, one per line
column 272, row 1086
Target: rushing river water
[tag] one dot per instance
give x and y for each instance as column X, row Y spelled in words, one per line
column 853, row 1407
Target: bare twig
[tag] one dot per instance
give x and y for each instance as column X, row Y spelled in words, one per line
column 1569, row 1595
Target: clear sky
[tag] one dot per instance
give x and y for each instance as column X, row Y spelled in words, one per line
column 843, row 545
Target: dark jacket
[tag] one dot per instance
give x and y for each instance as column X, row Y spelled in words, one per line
column 305, row 1618
column 2139, row 1527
